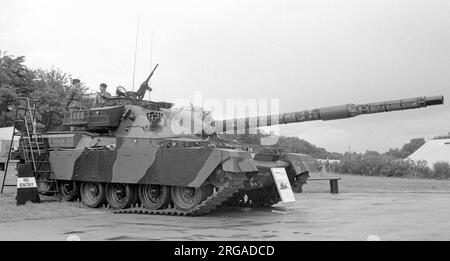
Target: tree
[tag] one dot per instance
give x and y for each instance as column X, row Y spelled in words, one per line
column 7, row 97
column 15, row 75
column 51, row 86
column 50, row 93
column 412, row 146
column 395, row 153
column 446, row 136
column 298, row 145
column 372, row 153
column 47, row 87
column 407, row 149
column 15, row 80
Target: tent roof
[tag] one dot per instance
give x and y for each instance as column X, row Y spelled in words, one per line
column 433, row 151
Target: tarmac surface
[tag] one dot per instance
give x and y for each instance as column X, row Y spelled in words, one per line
column 314, row 216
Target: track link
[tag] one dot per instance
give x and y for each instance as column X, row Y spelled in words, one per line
column 233, row 185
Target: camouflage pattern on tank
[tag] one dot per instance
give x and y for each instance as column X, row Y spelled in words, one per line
column 145, row 162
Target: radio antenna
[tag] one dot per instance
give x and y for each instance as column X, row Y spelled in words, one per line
column 151, row 60
column 151, row 51
column 135, row 51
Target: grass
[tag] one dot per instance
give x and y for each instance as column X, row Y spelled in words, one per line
column 379, row 184
column 49, row 208
column 348, row 184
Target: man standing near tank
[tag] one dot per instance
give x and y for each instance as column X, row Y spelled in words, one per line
column 102, row 96
column 73, row 99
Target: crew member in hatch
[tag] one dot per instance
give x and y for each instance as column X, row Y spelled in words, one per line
column 102, row 96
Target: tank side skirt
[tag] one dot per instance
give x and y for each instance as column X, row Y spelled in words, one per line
column 170, row 166
column 177, row 166
column 95, row 166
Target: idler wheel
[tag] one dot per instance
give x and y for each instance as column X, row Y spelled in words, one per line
column 154, row 196
column 219, row 178
column 69, row 190
column 92, row 194
column 187, row 198
column 119, row 195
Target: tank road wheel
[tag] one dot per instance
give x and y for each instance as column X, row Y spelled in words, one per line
column 154, row 196
column 186, row 198
column 92, row 194
column 69, row 190
column 119, row 195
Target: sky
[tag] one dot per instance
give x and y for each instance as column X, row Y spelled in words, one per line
column 304, row 54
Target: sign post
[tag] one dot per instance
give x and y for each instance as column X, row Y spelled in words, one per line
column 284, row 187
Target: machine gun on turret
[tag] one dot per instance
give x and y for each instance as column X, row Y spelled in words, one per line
column 140, row 93
column 144, row 86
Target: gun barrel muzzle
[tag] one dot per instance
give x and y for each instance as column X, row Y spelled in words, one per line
column 434, row 100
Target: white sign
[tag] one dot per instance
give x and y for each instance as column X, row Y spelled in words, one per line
column 26, row 182
column 283, row 185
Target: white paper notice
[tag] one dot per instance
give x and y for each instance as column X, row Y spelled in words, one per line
column 283, row 185
column 26, row 182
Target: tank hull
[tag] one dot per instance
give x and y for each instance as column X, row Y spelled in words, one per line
column 139, row 161
column 143, row 161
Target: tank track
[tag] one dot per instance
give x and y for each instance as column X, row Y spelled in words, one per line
column 211, row 203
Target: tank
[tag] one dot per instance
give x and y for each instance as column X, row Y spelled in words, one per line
column 142, row 156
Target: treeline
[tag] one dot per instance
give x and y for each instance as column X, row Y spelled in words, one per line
column 47, row 87
column 369, row 164
column 285, row 143
column 393, row 163
column 298, row 145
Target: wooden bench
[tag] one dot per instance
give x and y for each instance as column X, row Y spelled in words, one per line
column 334, row 188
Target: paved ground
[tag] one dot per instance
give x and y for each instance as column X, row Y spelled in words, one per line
column 416, row 212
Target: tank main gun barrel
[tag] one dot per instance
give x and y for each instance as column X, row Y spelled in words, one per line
column 327, row 113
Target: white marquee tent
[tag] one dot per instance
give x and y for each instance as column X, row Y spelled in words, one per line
column 433, row 151
column 5, row 140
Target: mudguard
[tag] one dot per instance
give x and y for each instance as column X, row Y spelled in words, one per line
column 300, row 162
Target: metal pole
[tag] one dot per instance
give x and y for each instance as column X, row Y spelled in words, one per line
column 135, row 51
